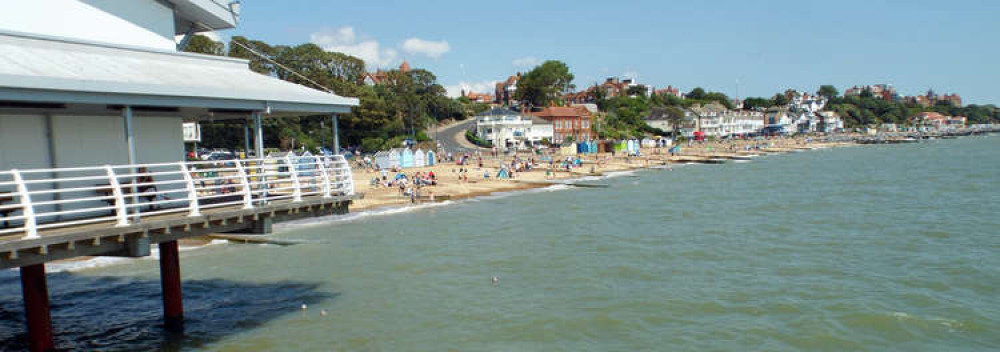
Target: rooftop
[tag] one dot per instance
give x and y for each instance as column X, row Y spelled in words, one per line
column 39, row 69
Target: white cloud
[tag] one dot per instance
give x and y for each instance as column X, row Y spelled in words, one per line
column 527, row 61
column 345, row 40
column 455, row 90
column 432, row 49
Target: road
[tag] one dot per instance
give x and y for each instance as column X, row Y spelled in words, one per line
column 452, row 137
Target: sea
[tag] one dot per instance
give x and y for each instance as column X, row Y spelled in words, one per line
column 866, row 248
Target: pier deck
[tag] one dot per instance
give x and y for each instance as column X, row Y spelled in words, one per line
column 134, row 240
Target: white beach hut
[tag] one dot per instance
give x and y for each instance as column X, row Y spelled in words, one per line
column 395, row 155
column 419, row 158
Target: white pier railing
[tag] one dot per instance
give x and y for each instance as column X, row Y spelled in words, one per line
column 40, row 199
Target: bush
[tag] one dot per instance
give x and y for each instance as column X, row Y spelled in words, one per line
column 372, row 144
column 422, row 137
column 472, row 137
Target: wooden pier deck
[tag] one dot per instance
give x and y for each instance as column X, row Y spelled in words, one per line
column 134, row 240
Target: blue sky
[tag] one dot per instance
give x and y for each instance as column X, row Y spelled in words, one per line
column 766, row 46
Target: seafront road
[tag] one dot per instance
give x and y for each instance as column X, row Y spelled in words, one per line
column 452, row 137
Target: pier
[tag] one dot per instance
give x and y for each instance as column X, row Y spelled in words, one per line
column 122, row 211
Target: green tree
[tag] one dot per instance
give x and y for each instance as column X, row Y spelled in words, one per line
column 827, row 91
column 757, row 103
column 544, row 84
column 696, row 94
column 779, row 100
column 204, row 45
column 637, row 90
column 675, row 116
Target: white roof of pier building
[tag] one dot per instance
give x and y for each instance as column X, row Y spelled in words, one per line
column 72, row 74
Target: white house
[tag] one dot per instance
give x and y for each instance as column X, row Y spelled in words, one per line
column 508, row 128
column 80, row 79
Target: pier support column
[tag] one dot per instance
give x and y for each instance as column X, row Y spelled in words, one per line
column 36, row 307
column 262, row 226
column 170, row 279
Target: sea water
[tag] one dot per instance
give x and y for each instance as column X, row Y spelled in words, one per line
column 877, row 248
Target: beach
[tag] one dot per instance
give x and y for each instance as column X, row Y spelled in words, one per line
column 450, row 187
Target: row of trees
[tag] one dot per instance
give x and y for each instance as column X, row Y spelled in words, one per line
column 388, row 113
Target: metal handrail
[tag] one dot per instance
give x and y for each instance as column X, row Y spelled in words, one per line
column 124, row 193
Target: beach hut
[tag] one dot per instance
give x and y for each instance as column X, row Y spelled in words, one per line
column 431, row 158
column 581, row 148
column 419, row 158
column 568, row 149
column 648, row 143
column 305, row 163
column 406, row 158
column 622, row 147
column 592, row 147
column 394, row 157
column 382, row 160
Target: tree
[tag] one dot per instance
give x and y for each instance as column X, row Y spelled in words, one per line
column 675, row 116
column 638, row 90
column 545, row 83
column 779, row 100
column 757, row 103
column 204, row 45
column 827, row 91
column 696, row 94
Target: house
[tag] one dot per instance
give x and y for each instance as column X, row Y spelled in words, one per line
column 380, row 77
column 573, row 123
column 932, row 98
column 508, row 128
column 504, row 91
column 881, row 91
column 658, row 118
column 670, row 90
column 713, row 120
column 615, row 87
column 830, row 121
column 936, row 120
column 779, row 120
column 474, row 97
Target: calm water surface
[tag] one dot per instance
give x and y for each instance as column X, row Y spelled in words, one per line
column 865, row 248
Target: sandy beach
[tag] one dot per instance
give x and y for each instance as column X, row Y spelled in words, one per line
column 450, row 186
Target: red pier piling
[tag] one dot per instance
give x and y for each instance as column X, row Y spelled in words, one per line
column 170, row 279
column 36, row 307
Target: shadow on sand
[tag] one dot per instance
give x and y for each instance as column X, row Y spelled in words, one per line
column 125, row 314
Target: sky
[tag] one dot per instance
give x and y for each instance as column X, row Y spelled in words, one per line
column 739, row 47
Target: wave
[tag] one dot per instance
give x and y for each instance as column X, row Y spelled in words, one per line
column 383, row 211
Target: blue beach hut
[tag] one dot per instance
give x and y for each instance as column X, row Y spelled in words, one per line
column 406, row 158
column 592, row 147
column 431, row 158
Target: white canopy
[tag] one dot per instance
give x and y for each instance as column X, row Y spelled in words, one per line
column 48, row 70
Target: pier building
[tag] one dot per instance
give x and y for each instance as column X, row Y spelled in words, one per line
column 93, row 95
